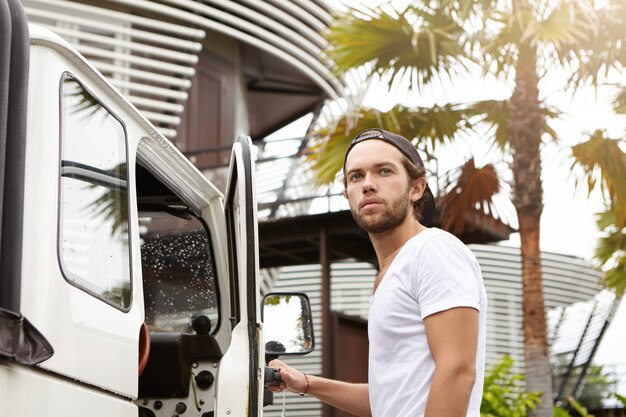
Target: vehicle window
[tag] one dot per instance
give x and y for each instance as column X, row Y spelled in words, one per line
column 93, row 234
column 178, row 271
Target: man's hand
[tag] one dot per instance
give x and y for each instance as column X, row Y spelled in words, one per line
column 353, row 398
column 291, row 378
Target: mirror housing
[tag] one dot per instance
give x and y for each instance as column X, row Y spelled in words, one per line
column 287, row 324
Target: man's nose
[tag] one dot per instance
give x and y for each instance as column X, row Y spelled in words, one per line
column 368, row 184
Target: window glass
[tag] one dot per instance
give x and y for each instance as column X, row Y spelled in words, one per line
column 94, row 236
column 178, row 271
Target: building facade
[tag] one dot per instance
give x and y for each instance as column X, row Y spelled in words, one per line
column 204, row 72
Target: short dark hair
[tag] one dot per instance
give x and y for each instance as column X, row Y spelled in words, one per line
column 415, row 173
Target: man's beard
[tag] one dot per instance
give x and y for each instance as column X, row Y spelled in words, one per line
column 386, row 221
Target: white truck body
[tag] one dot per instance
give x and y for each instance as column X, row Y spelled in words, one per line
column 89, row 329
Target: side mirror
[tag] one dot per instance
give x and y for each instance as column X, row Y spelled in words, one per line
column 287, row 324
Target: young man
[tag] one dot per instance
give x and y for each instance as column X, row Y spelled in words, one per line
column 427, row 314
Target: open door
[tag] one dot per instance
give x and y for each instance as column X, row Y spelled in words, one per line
column 241, row 224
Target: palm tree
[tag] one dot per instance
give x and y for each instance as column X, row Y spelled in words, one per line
column 517, row 41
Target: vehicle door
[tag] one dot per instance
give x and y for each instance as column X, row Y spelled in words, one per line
column 239, row 389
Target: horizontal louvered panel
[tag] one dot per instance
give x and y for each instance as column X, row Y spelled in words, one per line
column 156, row 104
column 268, row 9
column 161, row 118
column 153, row 91
column 158, row 25
column 115, row 71
column 149, row 60
column 154, row 38
column 145, row 62
column 120, row 43
column 267, row 20
column 300, row 13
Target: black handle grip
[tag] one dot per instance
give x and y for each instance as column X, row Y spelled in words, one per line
column 272, row 377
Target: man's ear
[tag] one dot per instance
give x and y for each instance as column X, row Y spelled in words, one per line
column 418, row 189
column 344, row 193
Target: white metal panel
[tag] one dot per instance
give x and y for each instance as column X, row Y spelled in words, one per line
column 156, row 104
column 278, row 14
column 33, row 393
column 94, row 342
column 251, row 17
column 124, row 30
column 299, row 13
column 315, row 10
column 148, row 62
column 154, row 91
column 175, row 29
column 190, row 59
column 161, row 118
column 157, row 78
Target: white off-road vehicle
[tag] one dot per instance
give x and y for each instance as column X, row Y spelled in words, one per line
column 128, row 282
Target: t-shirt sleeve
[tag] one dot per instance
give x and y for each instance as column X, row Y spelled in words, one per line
column 446, row 275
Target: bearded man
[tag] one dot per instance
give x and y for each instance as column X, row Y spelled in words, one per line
column 427, row 322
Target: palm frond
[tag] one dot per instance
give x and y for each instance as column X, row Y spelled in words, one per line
column 568, row 24
column 592, row 57
column 468, row 198
column 500, row 48
column 604, row 164
column 611, row 252
column 619, row 102
column 469, row 9
column 495, row 114
column 422, row 43
column 424, row 125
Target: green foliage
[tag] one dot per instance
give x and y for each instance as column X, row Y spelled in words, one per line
column 112, row 204
column 598, row 387
column 560, row 412
column 610, row 253
column 604, row 164
column 433, row 125
column 420, row 43
column 504, row 394
column 276, row 299
column 580, row 409
column 619, row 398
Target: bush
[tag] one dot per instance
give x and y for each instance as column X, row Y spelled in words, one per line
column 504, row 394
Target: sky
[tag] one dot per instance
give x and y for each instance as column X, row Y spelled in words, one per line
column 568, row 221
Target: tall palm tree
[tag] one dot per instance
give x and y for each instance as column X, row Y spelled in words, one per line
column 518, row 41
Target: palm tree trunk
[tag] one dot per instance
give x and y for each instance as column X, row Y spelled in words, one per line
column 525, row 129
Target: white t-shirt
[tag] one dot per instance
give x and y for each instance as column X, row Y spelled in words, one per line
column 432, row 272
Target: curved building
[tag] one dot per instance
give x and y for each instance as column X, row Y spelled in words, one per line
column 203, row 72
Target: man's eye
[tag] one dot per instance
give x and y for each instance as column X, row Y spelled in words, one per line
column 385, row 171
column 354, row 177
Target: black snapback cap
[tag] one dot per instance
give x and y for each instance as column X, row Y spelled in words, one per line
column 407, row 148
